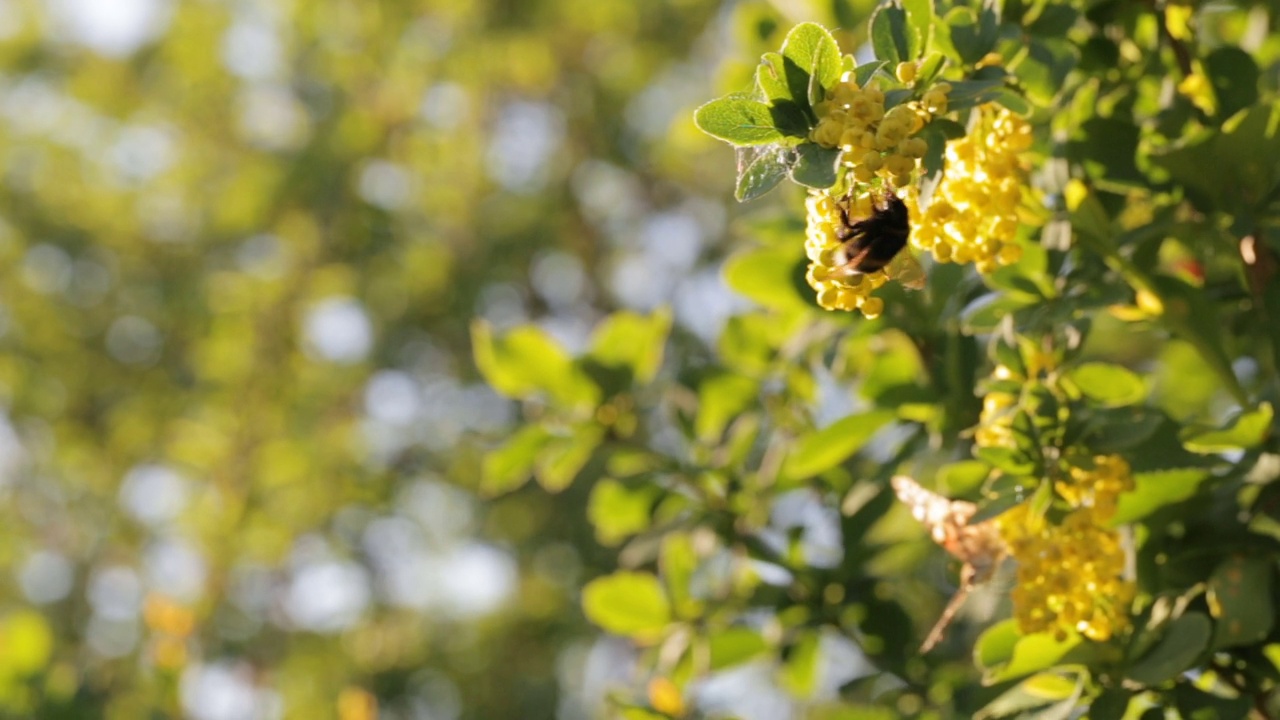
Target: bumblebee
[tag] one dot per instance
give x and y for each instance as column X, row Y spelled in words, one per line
column 872, row 243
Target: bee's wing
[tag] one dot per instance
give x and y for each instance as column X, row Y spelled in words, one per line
column 906, row 269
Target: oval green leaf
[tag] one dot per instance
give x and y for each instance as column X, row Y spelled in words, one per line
column 820, row 451
column 1184, row 640
column 738, row 121
column 1108, row 384
column 627, row 603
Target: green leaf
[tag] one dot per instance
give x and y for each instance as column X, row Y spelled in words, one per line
column 1185, row 639
column 771, row 78
column 510, row 466
column 721, row 398
column 1154, row 490
column 1054, row 20
column 985, row 313
column 966, row 94
column 895, row 365
column 618, row 511
column 1011, row 460
column 892, row 36
column 627, row 603
column 948, row 129
column 815, row 53
column 1111, row 704
column 995, row 645
column 1029, row 653
column 969, row 34
column 1110, row 431
column 562, row 458
column 1044, row 68
column 815, row 166
column 820, row 451
column 734, row 646
column 738, row 121
column 1035, row 693
column 799, row 675
column 1239, row 596
column 930, row 65
column 920, row 19
column 1192, row 316
column 767, row 276
column 1196, row 704
column 678, row 562
column 1245, row 430
column 760, row 169
column 1107, row 148
column 526, row 361
column 633, row 342
column 1107, row 384
column 962, row 477
column 864, row 72
column 1234, row 76
column 1231, row 170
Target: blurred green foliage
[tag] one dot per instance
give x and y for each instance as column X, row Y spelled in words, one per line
column 353, row 354
column 762, row 555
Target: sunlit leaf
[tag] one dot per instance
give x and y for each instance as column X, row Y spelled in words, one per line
column 767, row 276
column 526, row 361
column 618, row 510
column 1155, row 490
column 739, row 121
column 1245, row 430
column 632, row 341
column 799, row 675
column 627, row 603
column 822, row 450
column 562, row 458
column 813, row 51
column 735, row 646
column 1108, row 384
column 509, row 466
column 893, row 37
column 1028, row 653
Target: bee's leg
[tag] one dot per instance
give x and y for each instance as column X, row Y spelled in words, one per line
column 845, row 230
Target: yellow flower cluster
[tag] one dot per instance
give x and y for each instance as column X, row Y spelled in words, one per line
column 973, row 214
column 875, row 142
column 1098, row 487
column 1071, row 574
column 837, row 292
column 995, row 423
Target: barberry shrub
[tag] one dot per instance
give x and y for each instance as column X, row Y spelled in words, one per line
column 1070, row 369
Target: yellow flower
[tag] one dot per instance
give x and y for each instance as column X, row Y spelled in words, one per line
column 1071, row 574
column 835, row 290
column 855, row 120
column 973, row 215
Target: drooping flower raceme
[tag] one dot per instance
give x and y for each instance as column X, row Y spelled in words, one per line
column 880, row 151
column 1071, row 572
column 973, row 213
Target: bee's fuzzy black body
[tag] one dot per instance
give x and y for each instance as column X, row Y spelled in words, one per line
column 871, row 242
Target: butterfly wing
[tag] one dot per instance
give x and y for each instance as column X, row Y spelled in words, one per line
column 979, row 546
